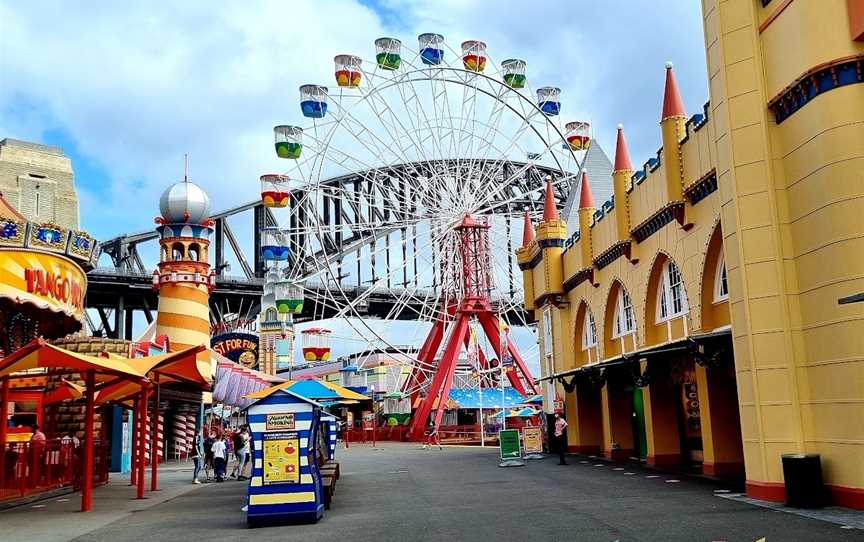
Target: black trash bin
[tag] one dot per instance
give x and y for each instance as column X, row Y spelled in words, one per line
column 803, row 475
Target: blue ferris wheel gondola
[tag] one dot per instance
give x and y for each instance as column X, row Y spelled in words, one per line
column 431, row 48
column 313, row 101
column 548, row 100
column 274, row 246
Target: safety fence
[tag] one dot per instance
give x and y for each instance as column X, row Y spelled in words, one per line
column 34, row 467
column 447, row 434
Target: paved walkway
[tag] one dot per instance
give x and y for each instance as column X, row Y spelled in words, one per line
column 399, row 493
column 61, row 519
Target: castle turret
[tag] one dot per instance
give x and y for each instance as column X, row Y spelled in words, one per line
column 586, row 219
column 621, row 180
column 183, row 278
column 524, row 256
column 672, row 125
column 551, row 233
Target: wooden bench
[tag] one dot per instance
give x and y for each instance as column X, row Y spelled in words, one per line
column 329, row 482
column 331, row 467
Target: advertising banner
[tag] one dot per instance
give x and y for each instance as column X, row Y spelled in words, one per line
column 281, row 462
column 49, row 281
column 533, row 440
column 240, row 348
column 509, row 441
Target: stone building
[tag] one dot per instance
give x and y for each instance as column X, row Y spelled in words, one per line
column 693, row 319
column 38, row 181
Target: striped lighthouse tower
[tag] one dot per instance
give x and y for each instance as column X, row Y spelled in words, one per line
column 183, row 278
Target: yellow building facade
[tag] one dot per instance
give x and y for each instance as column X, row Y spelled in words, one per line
column 694, row 319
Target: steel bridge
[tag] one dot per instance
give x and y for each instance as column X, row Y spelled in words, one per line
column 349, row 207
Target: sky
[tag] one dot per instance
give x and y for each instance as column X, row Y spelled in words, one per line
column 128, row 88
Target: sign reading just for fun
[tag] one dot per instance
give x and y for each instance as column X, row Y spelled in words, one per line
column 281, row 462
column 509, row 441
column 280, row 421
column 533, row 440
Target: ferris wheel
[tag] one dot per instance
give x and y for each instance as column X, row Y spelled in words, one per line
column 404, row 194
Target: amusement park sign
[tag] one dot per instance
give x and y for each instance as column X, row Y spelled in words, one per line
column 241, row 348
column 48, row 281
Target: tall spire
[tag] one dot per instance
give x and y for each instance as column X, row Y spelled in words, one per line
column 586, row 200
column 622, row 156
column 550, row 210
column 527, row 230
column 673, row 105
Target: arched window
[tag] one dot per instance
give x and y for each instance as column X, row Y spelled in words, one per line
column 589, row 332
column 671, row 297
column 625, row 322
column 193, row 252
column 721, row 286
column 177, row 252
column 271, row 315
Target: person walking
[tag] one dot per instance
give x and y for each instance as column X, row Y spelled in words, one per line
column 208, row 456
column 240, row 444
column 197, row 454
column 561, row 438
column 220, row 456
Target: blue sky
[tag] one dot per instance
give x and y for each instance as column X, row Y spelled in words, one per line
column 128, row 88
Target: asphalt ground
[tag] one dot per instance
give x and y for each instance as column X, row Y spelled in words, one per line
column 399, row 492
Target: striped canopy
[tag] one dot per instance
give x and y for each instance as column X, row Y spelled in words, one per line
column 179, row 366
column 313, row 389
column 38, row 354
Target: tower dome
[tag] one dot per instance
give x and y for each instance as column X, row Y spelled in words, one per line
column 184, row 202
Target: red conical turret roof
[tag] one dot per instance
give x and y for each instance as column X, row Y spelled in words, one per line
column 673, row 105
column 550, row 210
column 527, row 231
column 586, row 200
column 622, row 156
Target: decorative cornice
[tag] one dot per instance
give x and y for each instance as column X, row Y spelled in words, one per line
column 671, row 211
column 621, row 248
column 533, row 262
column 700, row 189
column 586, row 273
column 550, row 243
column 815, row 81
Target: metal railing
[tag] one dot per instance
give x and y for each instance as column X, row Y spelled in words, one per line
column 33, row 467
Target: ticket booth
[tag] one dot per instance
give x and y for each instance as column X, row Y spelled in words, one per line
column 286, row 485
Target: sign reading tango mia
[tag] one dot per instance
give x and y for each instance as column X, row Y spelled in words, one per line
column 47, row 280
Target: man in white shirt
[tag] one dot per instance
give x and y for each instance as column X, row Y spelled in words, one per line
column 220, row 456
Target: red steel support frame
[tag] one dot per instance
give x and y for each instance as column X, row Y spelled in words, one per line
column 133, row 421
column 4, row 423
column 142, row 438
column 87, row 482
column 154, row 439
column 476, row 284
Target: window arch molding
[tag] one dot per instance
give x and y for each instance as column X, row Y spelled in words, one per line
column 671, row 293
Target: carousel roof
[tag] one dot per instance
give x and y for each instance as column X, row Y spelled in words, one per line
column 312, row 389
column 472, row 398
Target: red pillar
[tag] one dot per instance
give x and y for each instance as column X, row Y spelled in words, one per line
column 133, row 456
column 4, row 413
column 87, row 482
column 442, row 379
column 449, row 359
column 154, row 441
column 142, row 437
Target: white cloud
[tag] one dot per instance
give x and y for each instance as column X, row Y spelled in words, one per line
column 137, row 85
